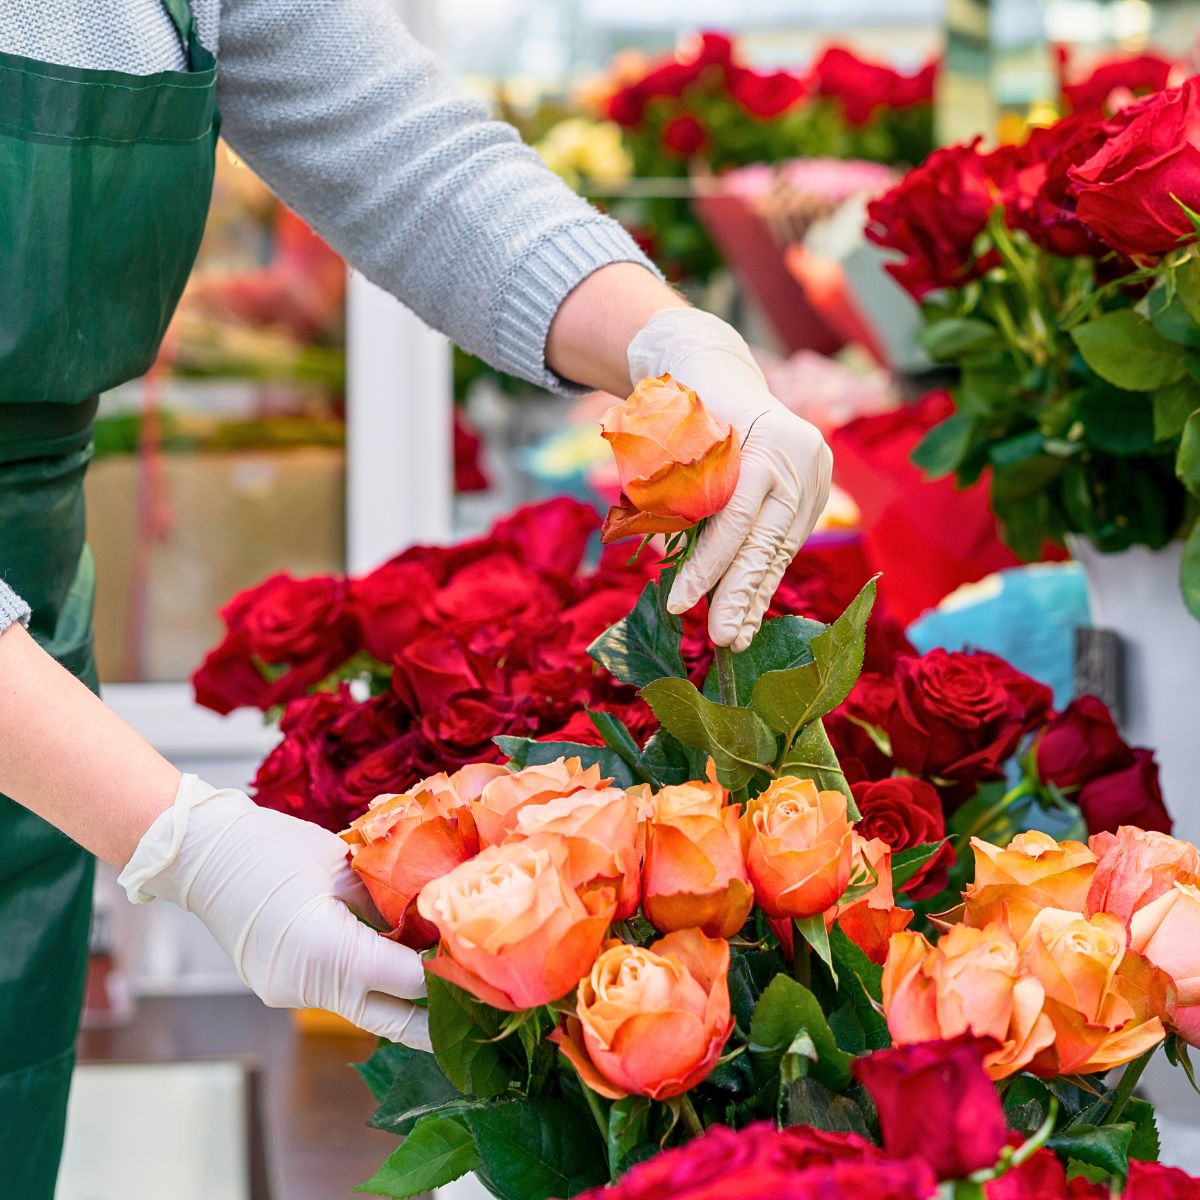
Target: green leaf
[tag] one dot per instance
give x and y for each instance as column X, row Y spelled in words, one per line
column 621, row 742
column 807, row 1101
column 945, row 447
column 813, row 931
column 629, row 1138
column 1173, row 405
column 789, row 700
column 1189, row 572
column 750, row 973
column 381, row 1070
column 812, row 756
column 1187, row 285
column 1117, row 422
column 1103, row 1146
column 860, row 981
column 955, row 337
column 642, row 647
column 1144, row 1145
column 537, row 1149
column 526, row 752
column 781, row 643
column 1126, row 350
column 462, row 1030
column 438, row 1151
column 738, row 740
column 670, row 761
column 406, row 1083
column 906, row 863
column 1187, row 462
column 784, row 1011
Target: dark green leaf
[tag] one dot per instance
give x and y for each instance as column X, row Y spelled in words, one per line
column 812, row 756
column 620, row 741
column 781, row 643
column 906, row 863
column 641, row 647
column 789, row 700
column 417, row 1085
column 848, row 1029
column 670, row 761
column 1103, row 1146
column 956, row 337
column 438, row 1151
column 1017, row 450
column 1117, row 422
column 1187, row 285
column 1187, row 462
column 859, row 981
column 629, row 1138
column 808, row 1102
column 526, row 752
column 784, row 1011
column 462, row 1030
column 943, row 449
column 738, row 740
column 1145, row 1145
column 381, row 1070
column 537, row 1149
column 1173, row 405
column 750, row 971
column 1126, row 350
column 813, row 931
column 1189, row 571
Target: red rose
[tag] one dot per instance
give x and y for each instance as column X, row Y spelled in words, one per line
column 1039, row 1177
column 936, row 1102
column 468, row 474
column 228, row 678
column 684, row 135
column 1153, row 1181
column 497, row 588
column 1127, row 797
column 766, row 96
column 959, row 716
column 462, row 729
column 932, row 217
column 862, row 87
column 1126, row 192
column 1140, row 74
column 552, row 536
column 432, row 668
column 905, row 812
column 391, row 605
column 393, row 767
column 288, row 620
column 1079, row 744
column 869, row 703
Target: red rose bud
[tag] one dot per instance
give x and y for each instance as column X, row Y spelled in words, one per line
column 906, row 812
column 936, row 1102
column 1128, row 797
column 1080, row 744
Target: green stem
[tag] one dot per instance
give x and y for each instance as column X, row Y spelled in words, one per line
column 597, row 1112
column 801, row 957
column 691, row 1118
column 726, row 682
column 1024, row 788
column 1129, row 1080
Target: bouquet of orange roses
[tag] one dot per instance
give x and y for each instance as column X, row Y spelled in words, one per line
column 637, row 943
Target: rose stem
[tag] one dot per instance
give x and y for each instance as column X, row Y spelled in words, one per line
column 1129, row 1079
column 597, row 1112
column 725, row 677
column 691, row 1118
column 801, row 957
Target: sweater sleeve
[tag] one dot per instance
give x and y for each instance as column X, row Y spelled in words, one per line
column 13, row 609
column 357, row 127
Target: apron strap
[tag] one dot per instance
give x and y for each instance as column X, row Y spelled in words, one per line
column 180, row 12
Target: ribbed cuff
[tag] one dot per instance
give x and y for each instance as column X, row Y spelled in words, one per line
column 13, row 610
column 553, row 267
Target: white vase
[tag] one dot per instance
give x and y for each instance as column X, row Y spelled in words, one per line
column 1136, row 594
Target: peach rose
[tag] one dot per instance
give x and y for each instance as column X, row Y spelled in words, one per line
column 1137, row 866
column 496, row 809
column 651, row 1022
column 972, row 982
column 798, row 845
column 1031, row 873
column 870, row 921
column 401, row 843
column 601, row 829
column 514, row 932
column 677, row 463
column 695, row 876
column 1104, row 1004
column 1167, row 932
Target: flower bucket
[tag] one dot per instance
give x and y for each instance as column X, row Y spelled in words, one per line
column 1136, row 594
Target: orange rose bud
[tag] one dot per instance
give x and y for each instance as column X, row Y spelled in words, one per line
column 695, row 876
column 870, row 921
column 1137, row 866
column 651, row 1022
column 972, row 982
column 495, row 811
column 515, row 933
column 1033, row 872
column 1167, row 932
column 1104, row 1002
column 799, row 845
column 677, row 463
column 402, row 842
column 601, row 829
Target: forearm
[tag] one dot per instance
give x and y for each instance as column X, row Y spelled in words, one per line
column 590, row 335
column 72, row 760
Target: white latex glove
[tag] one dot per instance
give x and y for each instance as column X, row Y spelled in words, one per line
column 280, row 898
column 785, row 475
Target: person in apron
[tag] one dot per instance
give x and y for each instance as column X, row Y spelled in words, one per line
column 105, row 182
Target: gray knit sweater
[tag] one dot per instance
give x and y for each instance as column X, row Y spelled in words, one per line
column 358, row 128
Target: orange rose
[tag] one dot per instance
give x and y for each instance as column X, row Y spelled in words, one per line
column 496, row 809
column 870, row 921
column 695, row 877
column 677, row 463
column 514, row 932
column 1104, row 1003
column 1167, row 932
column 798, row 845
column 1137, row 866
column 601, row 829
column 1033, row 872
column 972, row 982
column 651, row 1022
column 402, row 842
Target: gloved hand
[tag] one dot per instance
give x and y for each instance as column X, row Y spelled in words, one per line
column 280, row 898
column 786, row 468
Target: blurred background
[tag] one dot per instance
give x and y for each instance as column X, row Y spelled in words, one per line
column 300, row 420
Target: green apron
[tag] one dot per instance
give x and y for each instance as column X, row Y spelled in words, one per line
column 105, row 182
